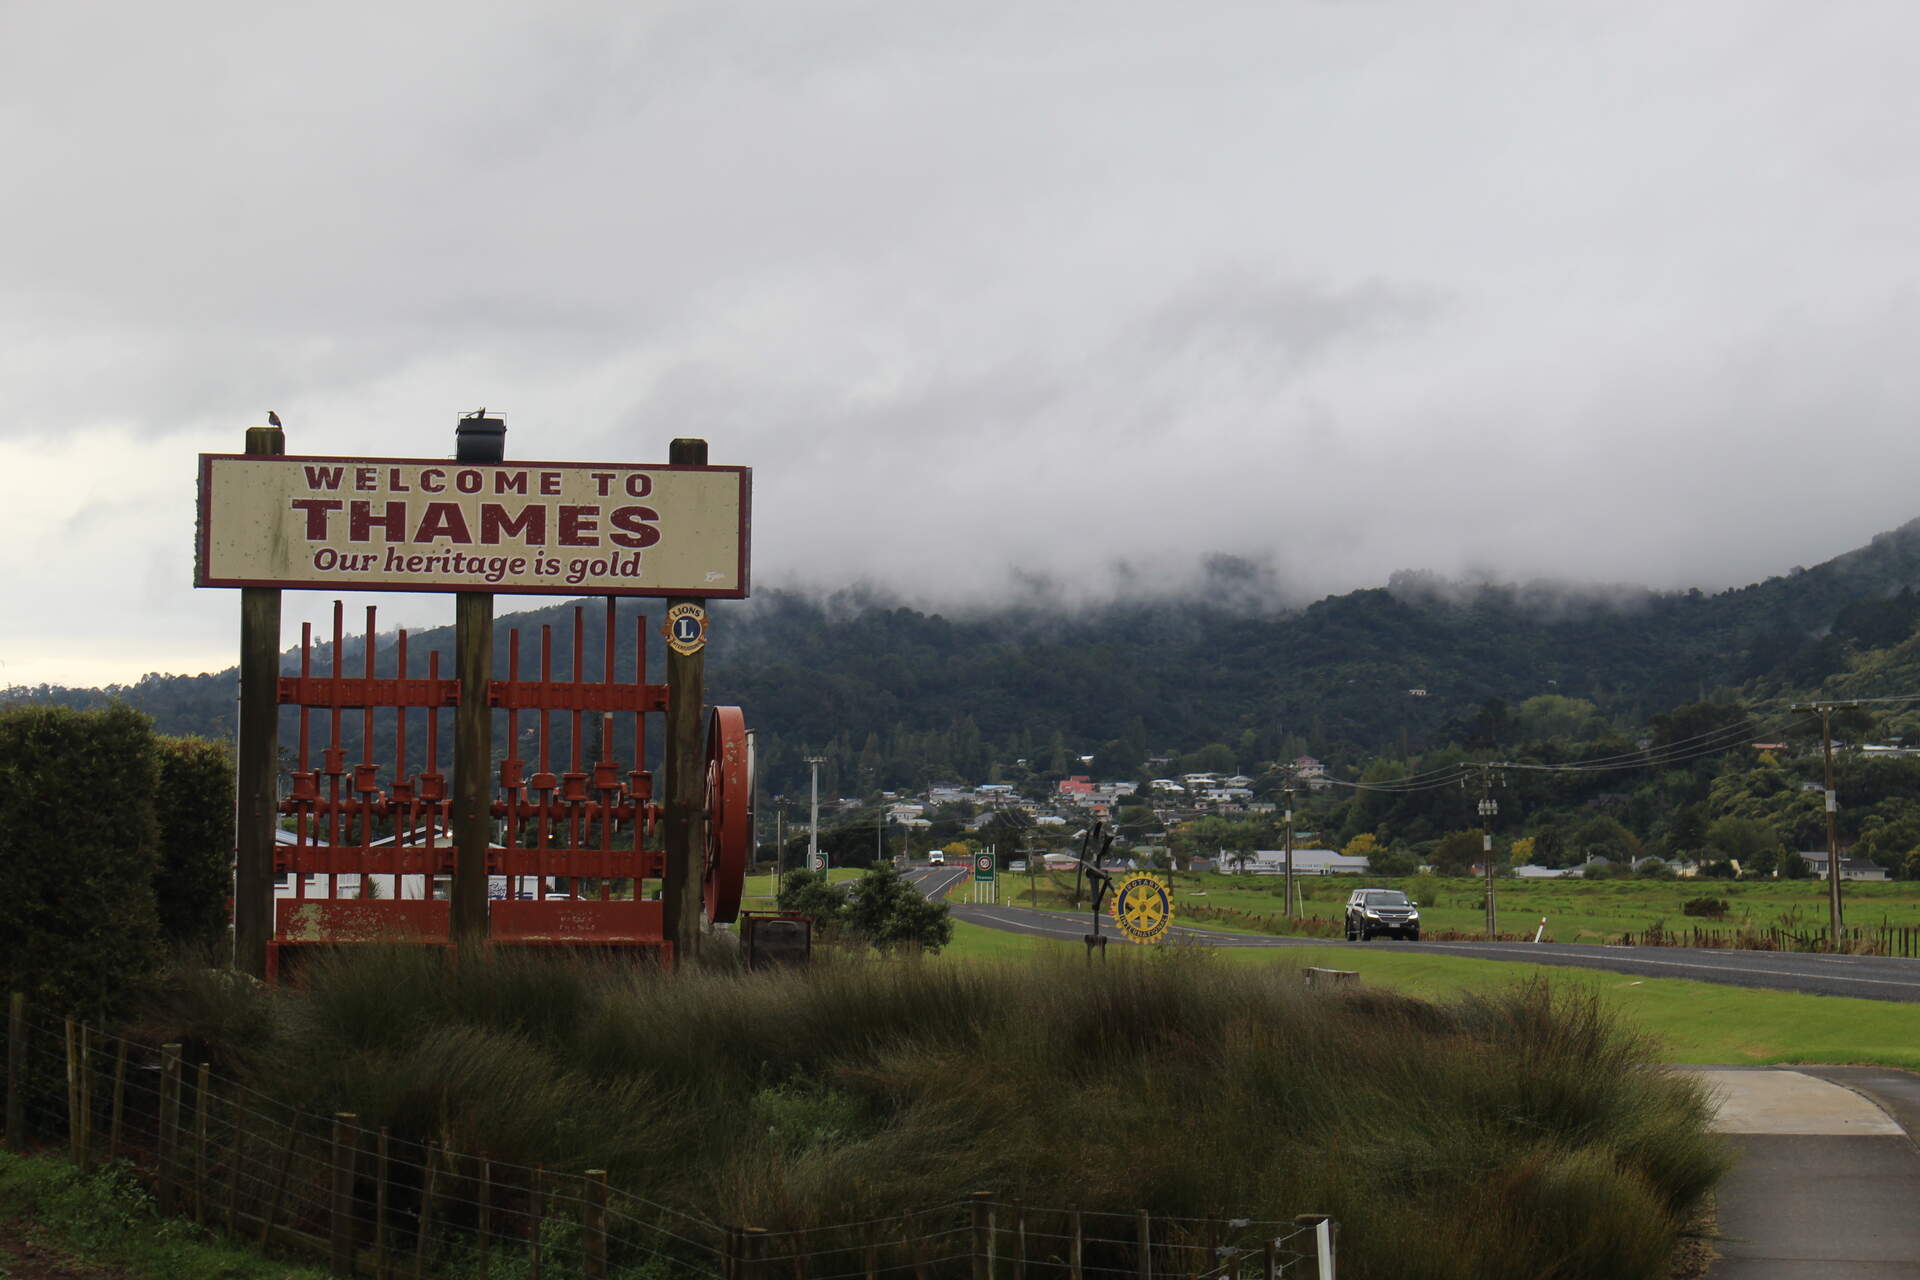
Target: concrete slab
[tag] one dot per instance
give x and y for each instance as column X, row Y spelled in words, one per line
column 1792, row 1103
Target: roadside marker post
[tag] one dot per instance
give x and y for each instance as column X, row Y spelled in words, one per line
column 1542, row 929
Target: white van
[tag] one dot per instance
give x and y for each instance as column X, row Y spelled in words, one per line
column 938, row 858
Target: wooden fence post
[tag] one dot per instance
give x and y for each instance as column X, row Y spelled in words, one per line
column 1146, row 1245
column 873, row 1252
column 536, row 1212
column 73, row 1097
column 754, row 1265
column 1076, row 1246
column 202, row 1089
column 119, row 1099
column 381, row 1173
column 272, row 1210
column 594, row 1226
column 485, row 1221
column 982, row 1235
column 426, row 1215
column 169, row 1128
column 1270, row 1261
column 1020, row 1242
column 86, row 1097
column 17, row 1072
column 346, row 1147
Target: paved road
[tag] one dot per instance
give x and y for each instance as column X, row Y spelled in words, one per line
column 1865, row 977
column 1826, row 1177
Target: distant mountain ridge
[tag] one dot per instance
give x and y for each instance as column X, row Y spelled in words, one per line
column 895, row 695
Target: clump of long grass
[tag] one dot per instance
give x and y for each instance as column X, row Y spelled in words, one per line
column 1518, row 1134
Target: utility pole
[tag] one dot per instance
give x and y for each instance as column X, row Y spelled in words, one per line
column 1488, row 807
column 779, row 842
column 813, row 827
column 1836, row 921
column 1288, row 790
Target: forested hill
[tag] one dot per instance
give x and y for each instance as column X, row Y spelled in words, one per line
column 896, row 696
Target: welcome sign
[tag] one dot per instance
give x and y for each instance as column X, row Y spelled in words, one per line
column 410, row 524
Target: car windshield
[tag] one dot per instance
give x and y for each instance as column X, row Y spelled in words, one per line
column 1386, row 898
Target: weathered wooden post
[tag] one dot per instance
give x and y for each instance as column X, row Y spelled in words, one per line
column 382, row 1177
column 477, row 439
column 258, row 755
column 1146, row 1245
column 594, row 1225
column 17, row 1072
column 202, row 1092
column 686, row 788
column 346, row 1149
column 982, row 1235
column 169, row 1128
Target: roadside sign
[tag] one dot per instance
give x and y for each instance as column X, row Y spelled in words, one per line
column 820, row 863
column 1142, row 908
column 983, row 866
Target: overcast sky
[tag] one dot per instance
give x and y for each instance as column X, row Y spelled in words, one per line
column 1621, row 290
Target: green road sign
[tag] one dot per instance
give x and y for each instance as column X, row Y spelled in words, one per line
column 983, row 866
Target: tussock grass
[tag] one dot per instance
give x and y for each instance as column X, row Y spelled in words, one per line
column 1520, row 1133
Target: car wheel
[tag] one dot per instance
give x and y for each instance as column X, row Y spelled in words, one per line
column 1351, row 935
column 1413, row 935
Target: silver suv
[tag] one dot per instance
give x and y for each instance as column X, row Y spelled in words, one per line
column 1373, row 912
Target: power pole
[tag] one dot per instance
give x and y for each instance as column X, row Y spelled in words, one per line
column 1488, row 807
column 779, row 842
column 813, row 827
column 1288, row 790
column 1836, row 921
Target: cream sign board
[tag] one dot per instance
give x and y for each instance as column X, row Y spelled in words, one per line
column 409, row 524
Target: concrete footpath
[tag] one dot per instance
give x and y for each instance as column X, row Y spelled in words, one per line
column 1828, row 1182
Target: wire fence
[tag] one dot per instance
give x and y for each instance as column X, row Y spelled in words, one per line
column 240, row 1163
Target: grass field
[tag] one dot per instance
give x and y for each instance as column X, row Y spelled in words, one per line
column 1692, row 1022
column 1575, row 910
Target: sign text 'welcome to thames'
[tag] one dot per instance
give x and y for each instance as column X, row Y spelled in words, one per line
column 405, row 524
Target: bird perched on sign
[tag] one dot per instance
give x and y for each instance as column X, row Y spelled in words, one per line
column 273, row 419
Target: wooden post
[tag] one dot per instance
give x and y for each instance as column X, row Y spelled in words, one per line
column 1020, row 1242
column 472, row 766
column 594, row 1225
column 272, row 1210
column 485, row 1224
column 169, row 1128
column 202, row 1088
column 257, row 755
column 382, row 1171
column 346, row 1147
column 236, row 1127
column 755, row 1264
column 119, row 1099
column 426, row 1216
column 1146, row 1245
column 477, row 439
column 536, row 1213
column 681, row 906
column 1076, row 1246
column 1270, row 1261
column 982, row 1235
column 873, row 1252
column 73, row 1097
column 17, row 1072
column 906, row 1243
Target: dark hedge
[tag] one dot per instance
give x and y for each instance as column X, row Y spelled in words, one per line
column 194, row 805
column 78, row 846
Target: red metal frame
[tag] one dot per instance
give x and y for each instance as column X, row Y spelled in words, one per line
column 594, row 820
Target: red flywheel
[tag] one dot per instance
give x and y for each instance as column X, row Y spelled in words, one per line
column 729, row 841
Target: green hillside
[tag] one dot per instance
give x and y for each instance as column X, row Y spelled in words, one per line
column 897, row 696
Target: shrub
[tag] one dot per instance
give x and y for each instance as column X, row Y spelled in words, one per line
column 78, row 840
column 194, row 806
column 1486, row 1136
column 886, row 911
column 1705, row 908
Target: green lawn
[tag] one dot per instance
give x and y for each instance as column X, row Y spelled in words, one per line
column 1575, row 910
column 1695, row 1022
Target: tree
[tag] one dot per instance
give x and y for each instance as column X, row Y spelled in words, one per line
column 1520, row 852
column 808, row 894
column 1454, row 854
column 1747, row 841
column 1362, row 845
column 885, row 911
